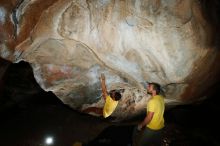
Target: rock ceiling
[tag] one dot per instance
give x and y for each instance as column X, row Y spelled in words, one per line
column 69, row 43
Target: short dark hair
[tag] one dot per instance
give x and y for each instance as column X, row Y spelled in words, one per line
column 156, row 87
column 115, row 94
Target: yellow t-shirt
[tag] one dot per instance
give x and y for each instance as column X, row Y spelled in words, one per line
column 156, row 105
column 109, row 107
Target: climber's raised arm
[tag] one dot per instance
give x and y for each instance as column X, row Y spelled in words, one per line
column 104, row 90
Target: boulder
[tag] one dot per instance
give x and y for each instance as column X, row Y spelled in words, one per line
column 69, row 43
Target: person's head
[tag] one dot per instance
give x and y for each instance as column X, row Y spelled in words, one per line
column 115, row 95
column 153, row 88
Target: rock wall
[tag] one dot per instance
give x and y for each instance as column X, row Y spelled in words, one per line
column 69, row 43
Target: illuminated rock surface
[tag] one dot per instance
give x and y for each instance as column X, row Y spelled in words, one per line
column 69, row 43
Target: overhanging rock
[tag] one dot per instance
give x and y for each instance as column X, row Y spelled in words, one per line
column 69, row 43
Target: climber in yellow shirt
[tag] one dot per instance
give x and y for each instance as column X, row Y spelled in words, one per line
column 111, row 101
column 153, row 123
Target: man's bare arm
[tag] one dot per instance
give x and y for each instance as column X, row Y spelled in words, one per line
column 146, row 120
column 104, row 90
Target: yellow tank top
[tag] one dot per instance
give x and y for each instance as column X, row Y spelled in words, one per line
column 109, row 106
column 156, row 105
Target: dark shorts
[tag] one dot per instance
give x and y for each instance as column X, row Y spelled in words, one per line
column 148, row 137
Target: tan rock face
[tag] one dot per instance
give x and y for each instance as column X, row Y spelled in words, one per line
column 69, row 43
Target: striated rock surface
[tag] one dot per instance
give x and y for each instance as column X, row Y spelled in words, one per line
column 69, row 43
